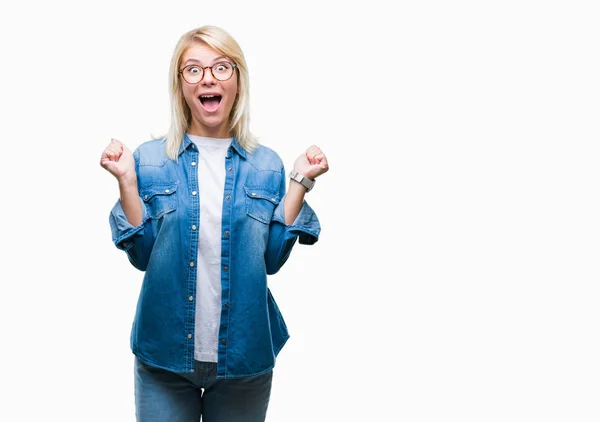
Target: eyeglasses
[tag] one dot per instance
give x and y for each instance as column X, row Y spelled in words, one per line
column 194, row 73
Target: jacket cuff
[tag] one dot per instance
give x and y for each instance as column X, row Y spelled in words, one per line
column 306, row 225
column 123, row 233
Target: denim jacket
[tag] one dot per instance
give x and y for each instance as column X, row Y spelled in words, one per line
column 255, row 242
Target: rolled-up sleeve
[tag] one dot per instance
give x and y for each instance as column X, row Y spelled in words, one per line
column 137, row 241
column 305, row 228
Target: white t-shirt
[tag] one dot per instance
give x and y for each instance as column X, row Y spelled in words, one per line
column 211, row 185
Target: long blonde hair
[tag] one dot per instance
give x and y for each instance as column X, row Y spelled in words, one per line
column 239, row 119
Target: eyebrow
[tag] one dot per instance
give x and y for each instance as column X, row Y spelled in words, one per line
column 214, row 60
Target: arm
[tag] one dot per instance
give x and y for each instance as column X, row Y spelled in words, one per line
column 293, row 218
column 293, row 201
column 130, row 200
column 311, row 164
column 136, row 241
column 304, row 227
column 131, row 229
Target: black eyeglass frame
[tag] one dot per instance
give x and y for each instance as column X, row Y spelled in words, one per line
column 233, row 67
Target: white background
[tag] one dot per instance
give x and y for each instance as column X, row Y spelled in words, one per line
column 456, row 276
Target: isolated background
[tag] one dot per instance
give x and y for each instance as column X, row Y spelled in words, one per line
column 456, row 277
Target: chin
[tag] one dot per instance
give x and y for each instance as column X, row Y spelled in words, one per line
column 212, row 123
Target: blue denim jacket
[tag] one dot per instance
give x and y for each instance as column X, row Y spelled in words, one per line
column 255, row 242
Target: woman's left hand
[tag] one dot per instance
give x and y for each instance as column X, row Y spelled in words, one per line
column 312, row 163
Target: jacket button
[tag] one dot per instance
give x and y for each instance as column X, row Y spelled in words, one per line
column 228, row 197
column 189, row 336
column 223, row 341
column 227, row 304
column 230, row 168
column 226, row 269
column 226, row 232
column 191, row 298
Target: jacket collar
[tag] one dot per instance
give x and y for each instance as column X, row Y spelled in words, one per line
column 235, row 144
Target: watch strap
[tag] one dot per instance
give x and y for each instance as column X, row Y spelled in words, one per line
column 303, row 180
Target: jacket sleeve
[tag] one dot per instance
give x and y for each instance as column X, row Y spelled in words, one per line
column 138, row 241
column 282, row 237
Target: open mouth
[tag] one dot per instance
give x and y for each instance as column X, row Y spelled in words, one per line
column 210, row 102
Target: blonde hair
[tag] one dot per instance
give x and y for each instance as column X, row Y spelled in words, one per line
column 239, row 119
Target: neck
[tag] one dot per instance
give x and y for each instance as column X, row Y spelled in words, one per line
column 219, row 131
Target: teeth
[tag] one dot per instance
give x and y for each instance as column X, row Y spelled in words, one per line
column 208, row 96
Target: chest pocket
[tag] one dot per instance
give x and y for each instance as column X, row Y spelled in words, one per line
column 160, row 199
column 260, row 203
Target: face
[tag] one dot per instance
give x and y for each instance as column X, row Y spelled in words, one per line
column 210, row 100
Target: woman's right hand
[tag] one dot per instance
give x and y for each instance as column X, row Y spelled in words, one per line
column 118, row 161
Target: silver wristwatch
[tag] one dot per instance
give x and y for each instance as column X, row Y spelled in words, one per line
column 303, row 180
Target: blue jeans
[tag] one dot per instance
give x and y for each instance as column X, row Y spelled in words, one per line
column 165, row 396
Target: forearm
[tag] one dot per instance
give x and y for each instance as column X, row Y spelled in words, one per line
column 130, row 201
column 293, row 201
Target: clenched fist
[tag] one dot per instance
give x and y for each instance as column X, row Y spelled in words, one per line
column 312, row 163
column 118, row 161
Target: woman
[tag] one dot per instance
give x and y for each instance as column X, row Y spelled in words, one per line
column 204, row 212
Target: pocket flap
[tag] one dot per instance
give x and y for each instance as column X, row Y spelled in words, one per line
column 262, row 193
column 148, row 192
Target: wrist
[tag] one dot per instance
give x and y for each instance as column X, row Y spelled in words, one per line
column 127, row 181
column 301, row 179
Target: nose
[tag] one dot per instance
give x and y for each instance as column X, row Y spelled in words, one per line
column 207, row 77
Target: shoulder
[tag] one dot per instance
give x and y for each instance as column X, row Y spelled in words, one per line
column 265, row 158
column 151, row 153
column 153, row 166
